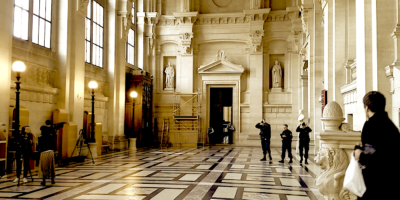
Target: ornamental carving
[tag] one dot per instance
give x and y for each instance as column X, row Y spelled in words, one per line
column 185, row 42
column 333, row 162
column 256, row 40
column 222, row 3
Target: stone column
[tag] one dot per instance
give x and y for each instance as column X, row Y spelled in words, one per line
column 316, row 70
column 329, row 50
column 366, row 80
column 6, row 31
column 140, row 37
column 71, row 59
column 393, row 70
column 339, row 57
column 256, row 75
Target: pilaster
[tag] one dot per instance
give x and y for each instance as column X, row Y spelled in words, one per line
column 6, row 30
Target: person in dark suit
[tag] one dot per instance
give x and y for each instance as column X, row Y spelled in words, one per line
column 380, row 139
column 304, row 138
column 23, row 152
column 286, row 136
column 265, row 136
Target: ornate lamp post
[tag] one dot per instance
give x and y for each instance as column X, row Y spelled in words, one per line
column 132, row 140
column 92, row 86
column 17, row 67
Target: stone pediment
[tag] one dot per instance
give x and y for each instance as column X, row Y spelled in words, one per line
column 221, row 66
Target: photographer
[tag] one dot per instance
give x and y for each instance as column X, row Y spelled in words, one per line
column 46, row 148
column 265, row 136
column 304, row 138
column 24, row 143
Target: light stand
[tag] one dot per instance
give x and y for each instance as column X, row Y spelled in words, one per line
column 18, row 67
column 92, row 86
column 132, row 139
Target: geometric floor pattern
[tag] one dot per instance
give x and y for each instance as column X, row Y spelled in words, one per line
column 218, row 172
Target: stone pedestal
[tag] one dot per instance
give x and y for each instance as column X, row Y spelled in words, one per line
column 132, row 143
column 276, row 90
column 93, row 149
column 334, row 152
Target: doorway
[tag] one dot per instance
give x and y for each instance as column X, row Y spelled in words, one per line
column 220, row 98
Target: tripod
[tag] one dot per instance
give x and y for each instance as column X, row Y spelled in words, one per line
column 80, row 143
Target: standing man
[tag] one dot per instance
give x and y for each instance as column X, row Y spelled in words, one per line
column 286, row 136
column 380, row 139
column 304, row 138
column 265, row 136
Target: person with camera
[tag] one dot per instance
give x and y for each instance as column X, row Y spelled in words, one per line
column 265, row 136
column 24, row 143
column 46, row 147
column 304, row 138
column 286, row 136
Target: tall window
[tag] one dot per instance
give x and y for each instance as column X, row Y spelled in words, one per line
column 94, row 34
column 130, row 48
column 133, row 13
column 41, row 27
column 21, row 19
column 41, row 21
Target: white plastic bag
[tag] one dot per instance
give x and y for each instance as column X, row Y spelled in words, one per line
column 353, row 180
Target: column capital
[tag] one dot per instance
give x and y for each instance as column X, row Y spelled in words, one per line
column 256, row 40
column 185, row 41
column 81, row 7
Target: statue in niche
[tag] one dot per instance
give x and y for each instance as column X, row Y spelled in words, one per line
column 277, row 75
column 169, row 76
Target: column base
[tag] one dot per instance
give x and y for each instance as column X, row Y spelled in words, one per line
column 132, row 143
column 93, row 149
column 120, row 145
column 276, row 90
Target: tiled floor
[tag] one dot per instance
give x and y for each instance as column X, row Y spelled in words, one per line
column 221, row 172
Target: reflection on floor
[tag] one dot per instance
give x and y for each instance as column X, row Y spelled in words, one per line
column 221, row 172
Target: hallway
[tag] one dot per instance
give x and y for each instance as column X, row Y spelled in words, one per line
column 219, row 172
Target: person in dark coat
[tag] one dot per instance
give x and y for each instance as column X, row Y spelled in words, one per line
column 286, row 136
column 380, row 139
column 47, row 146
column 304, row 138
column 265, row 136
column 23, row 152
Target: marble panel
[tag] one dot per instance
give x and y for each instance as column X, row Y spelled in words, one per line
column 289, row 182
column 107, row 197
column 134, row 191
column 260, row 196
column 225, row 192
column 107, row 189
column 143, row 173
column 233, row 176
column 167, row 194
column 190, row 177
column 291, row 197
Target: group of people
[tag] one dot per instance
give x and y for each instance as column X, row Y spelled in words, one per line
column 287, row 136
column 46, row 147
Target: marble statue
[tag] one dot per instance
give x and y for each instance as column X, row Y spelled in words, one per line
column 277, row 75
column 334, row 162
column 169, row 78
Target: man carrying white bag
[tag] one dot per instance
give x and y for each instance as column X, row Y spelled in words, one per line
column 378, row 156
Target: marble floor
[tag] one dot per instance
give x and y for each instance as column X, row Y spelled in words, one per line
column 218, row 172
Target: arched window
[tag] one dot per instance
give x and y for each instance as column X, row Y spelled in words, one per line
column 130, row 44
column 94, row 26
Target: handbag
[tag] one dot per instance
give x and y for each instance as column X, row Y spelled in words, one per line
column 353, row 180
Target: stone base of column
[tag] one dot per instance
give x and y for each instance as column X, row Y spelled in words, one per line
column 120, row 145
column 276, row 90
column 93, row 149
column 132, row 143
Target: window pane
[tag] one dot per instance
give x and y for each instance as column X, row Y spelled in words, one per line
column 36, row 7
column 87, row 29
column 24, row 28
column 101, row 58
column 18, row 3
column 25, row 4
column 48, row 10
column 101, row 37
column 17, row 22
column 94, row 12
column 35, row 30
column 101, row 11
column 42, row 8
column 41, row 32
column 48, row 35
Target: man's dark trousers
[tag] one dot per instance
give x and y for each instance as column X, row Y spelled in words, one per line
column 304, row 144
column 286, row 145
column 265, row 144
